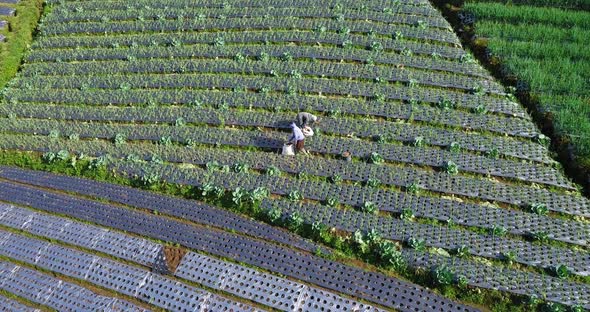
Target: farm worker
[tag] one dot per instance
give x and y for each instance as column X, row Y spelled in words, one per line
column 305, row 119
column 297, row 138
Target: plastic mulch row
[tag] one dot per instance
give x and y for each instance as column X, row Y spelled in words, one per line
column 304, row 266
column 260, row 287
column 132, row 281
column 55, row 293
column 487, row 246
column 422, row 113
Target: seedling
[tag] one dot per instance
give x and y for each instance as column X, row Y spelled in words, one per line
column 132, row 158
column 390, row 256
column 156, row 159
column 442, row 275
column 418, row 141
column 561, row 271
column 493, row 153
column 240, row 167
column 461, row 281
column 413, row 188
column 371, row 182
column 238, row 196
column 48, row 157
column 150, row 178
column 477, row 90
column 239, row 57
column 99, row 162
column 553, row 307
column 286, row 57
column 263, row 57
column 331, row 201
column 336, row 179
column 497, row 230
column 421, row 24
column 295, row 74
column 343, row 30
column 451, row 168
column 538, row 208
column 346, row 44
column 376, row 46
column 302, row 175
column 369, row 207
column 274, row 215
column 455, row 147
column 273, row 171
column 295, row 221
column 509, row 257
column 416, row 244
column 379, row 97
column 62, row 155
column 407, row 214
column 375, row 158
column 54, row 134
column 180, row 122
column 540, row 236
column 543, row 139
column 462, row 251
column 295, row 195
column 445, row 104
column 480, row 109
column 219, row 41
column 166, row 141
column 378, row 139
column 407, row 52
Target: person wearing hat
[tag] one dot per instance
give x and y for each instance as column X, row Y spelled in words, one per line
column 297, row 138
column 305, row 119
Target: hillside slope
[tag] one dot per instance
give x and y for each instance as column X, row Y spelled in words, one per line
column 450, row 185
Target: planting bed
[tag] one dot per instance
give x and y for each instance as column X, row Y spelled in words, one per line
column 297, row 264
column 450, row 184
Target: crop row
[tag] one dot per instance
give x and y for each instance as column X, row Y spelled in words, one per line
column 189, row 210
column 130, row 248
column 343, row 16
column 443, row 98
column 500, row 278
column 477, row 274
column 310, row 38
column 414, row 78
column 356, row 171
column 132, row 281
column 322, row 144
column 53, row 292
column 257, row 51
column 405, row 132
column 488, row 246
column 418, row 7
column 344, row 30
column 314, row 213
column 358, row 106
column 299, row 265
column 491, row 246
column 269, row 290
column 532, row 15
column 442, row 209
column 13, row 305
column 562, row 291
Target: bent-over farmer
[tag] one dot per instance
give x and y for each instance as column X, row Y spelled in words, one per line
column 305, row 119
column 297, row 138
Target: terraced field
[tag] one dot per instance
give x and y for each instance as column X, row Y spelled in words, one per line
column 451, row 201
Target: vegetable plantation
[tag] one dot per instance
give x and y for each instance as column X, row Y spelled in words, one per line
column 542, row 46
column 449, row 200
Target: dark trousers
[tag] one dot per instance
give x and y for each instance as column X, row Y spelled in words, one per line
column 299, row 145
